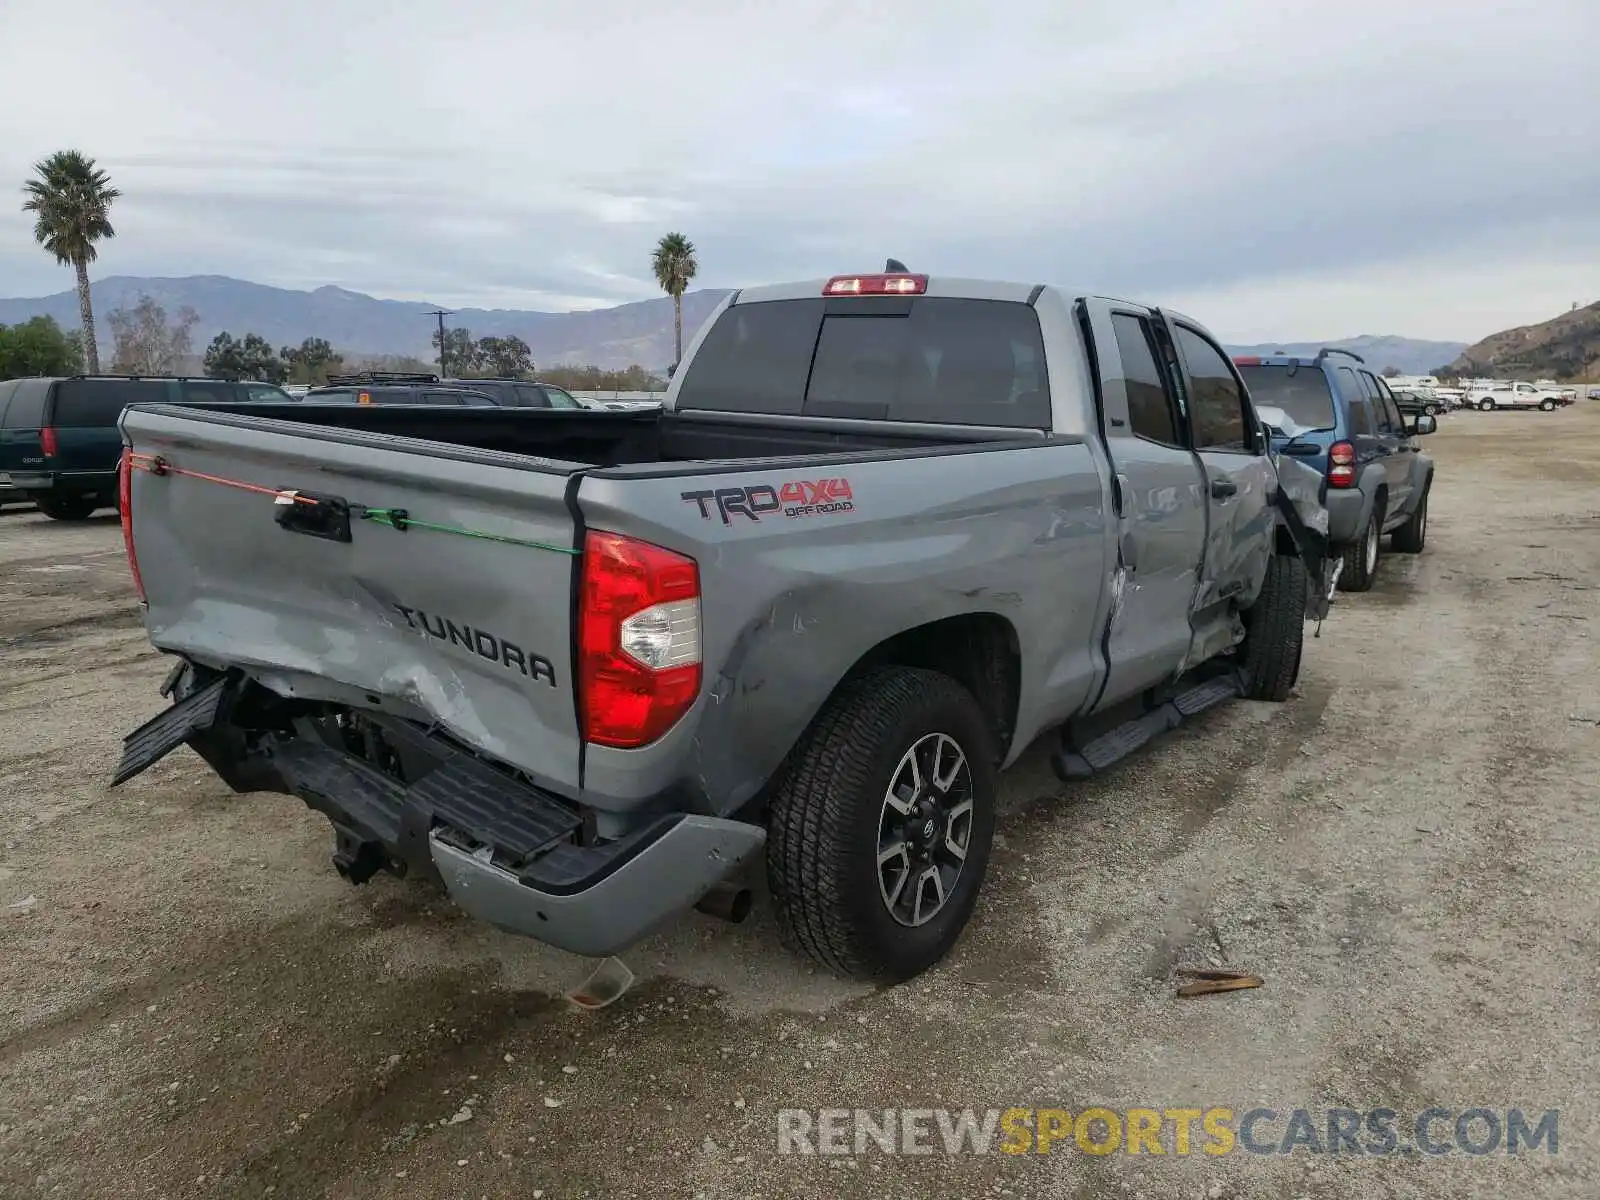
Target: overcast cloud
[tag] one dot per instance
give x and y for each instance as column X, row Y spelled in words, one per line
column 1278, row 169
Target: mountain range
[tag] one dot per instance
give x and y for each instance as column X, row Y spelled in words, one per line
column 610, row 338
column 358, row 324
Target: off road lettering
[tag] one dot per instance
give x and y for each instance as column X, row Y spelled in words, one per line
column 795, row 498
column 480, row 642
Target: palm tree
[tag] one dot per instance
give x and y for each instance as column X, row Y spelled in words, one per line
column 675, row 266
column 71, row 202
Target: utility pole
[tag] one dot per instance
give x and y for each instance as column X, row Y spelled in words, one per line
column 442, row 313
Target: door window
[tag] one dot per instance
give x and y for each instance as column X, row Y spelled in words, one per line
column 1151, row 413
column 1361, row 417
column 560, row 398
column 1216, row 402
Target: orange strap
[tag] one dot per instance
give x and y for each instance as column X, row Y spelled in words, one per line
column 157, row 465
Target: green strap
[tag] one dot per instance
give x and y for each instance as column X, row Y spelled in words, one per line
column 398, row 518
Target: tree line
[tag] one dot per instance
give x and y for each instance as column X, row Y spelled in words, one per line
column 70, row 199
column 146, row 341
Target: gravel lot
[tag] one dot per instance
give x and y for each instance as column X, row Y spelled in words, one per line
column 192, row 1003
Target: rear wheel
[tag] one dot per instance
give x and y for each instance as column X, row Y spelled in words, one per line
column 1410, row 537
column 881, row 824
column 1361, row 557
column 1275, row 631
column 1485, row 405
column 67, row 508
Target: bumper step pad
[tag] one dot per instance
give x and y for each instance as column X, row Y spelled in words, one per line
column 160, row 736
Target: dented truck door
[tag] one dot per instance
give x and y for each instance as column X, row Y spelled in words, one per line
column 1239, row 487
column 1160, row 508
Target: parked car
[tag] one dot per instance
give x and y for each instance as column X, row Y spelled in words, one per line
column 382, row 393
column 1344, row 421
column 1493, row 394
column 508, row 393
column 871, row 546
column 520, row 393
column 1415, row 401
column 59, row 444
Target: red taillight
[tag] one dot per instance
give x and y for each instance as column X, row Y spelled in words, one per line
column 876, row 285
column 638, row 639
column 1342, row 471
column 1246, row 360
column 47, row 442
column 125, row 511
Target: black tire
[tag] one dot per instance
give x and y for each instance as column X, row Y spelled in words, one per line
column 1485, row 405
column 1547, row 406
column 828, row 817
column 1413, row 535
column 1431, row 410
column 1275, row 631
column 67, row 508
column 1362, row 556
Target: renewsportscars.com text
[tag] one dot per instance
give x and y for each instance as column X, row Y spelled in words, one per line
column 1379, row 1132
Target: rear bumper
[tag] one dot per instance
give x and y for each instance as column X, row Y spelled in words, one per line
column 665, row 878
column 1347, row 508
column 509, row 854
column 66, row 482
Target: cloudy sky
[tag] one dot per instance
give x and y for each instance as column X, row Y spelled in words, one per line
column 1279, row 168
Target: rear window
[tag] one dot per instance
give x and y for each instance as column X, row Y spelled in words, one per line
column 1301, row 392
column 81, row 402
column 26, row 410
column 936, row 359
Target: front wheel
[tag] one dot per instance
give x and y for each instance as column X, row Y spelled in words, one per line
column 67, row 508
column 1275, row 631
column 881, row 824
column 1547, row 406
column 1431, row 410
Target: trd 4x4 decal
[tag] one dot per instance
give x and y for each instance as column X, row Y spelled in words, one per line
column 797, row 498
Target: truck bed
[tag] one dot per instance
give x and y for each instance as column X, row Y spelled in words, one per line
column 443, row 590
column 562, row 438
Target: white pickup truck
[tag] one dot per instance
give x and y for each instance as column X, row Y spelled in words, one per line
column 1486, row 396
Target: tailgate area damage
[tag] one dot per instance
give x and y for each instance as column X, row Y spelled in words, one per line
column 404, row 799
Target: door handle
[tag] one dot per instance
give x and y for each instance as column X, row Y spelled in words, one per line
column 1222, row 487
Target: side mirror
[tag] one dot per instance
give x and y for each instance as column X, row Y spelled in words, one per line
column 1424, row 424
column 672, row 370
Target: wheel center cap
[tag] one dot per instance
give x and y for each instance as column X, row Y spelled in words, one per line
column 928, row 828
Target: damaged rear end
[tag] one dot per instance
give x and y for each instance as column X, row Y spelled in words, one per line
column 420, row 641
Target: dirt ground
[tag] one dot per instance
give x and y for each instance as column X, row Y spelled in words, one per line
column 192, row 1003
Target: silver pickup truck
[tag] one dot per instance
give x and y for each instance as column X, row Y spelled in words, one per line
column 586, row 668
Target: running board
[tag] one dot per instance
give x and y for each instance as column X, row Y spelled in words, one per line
column 1090, row 759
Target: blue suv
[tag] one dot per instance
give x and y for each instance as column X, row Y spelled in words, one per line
column 1334, row 413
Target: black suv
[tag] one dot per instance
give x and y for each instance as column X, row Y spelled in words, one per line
column 387, row 387
column 59, row 442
